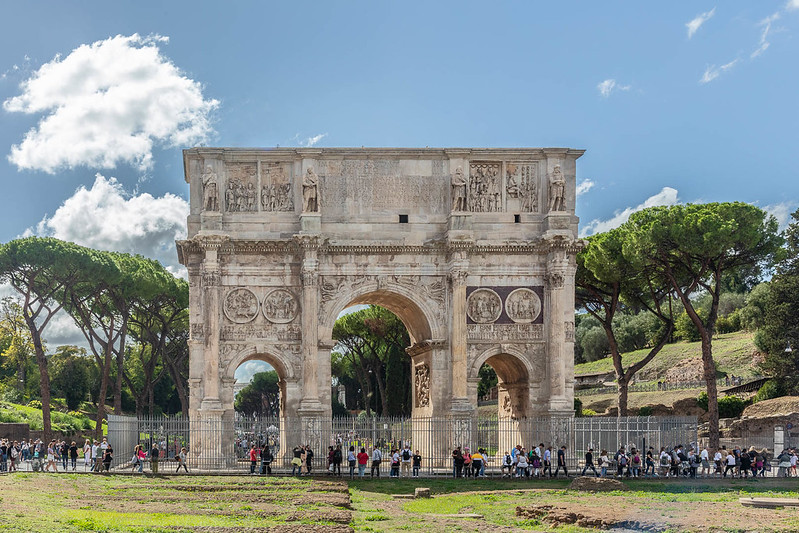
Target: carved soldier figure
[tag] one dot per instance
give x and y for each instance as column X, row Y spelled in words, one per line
column 250, row 194
column 310, row 199
column 230, row 196
column 557, row 186
column 458, row 191
column 210, row 190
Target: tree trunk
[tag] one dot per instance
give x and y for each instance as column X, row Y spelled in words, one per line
column 183, row 396
column 44, row 378
column 709, row 368
column 106, row 377
column 623, row 384
column 120, row 369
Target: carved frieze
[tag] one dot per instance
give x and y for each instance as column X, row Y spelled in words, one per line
column 240, row 305
column 485, row 187
column 504, row 332
column 280, row 306
column 483, row 306
column 253, row 332
column 422, row 385
column 276, row 193
column 522, row 184
column 240, row 194
column 523, row 306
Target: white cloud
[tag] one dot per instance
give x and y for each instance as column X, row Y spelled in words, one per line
column 694, row 25
column 608, row 86
column 311, row 141
column 246, row 371
column 782, row 212
column 666, row 196
column 712, row 72
column 764, row 44
column 107, row 218
column 106, row 103
column 584, row 186
column 792, row 4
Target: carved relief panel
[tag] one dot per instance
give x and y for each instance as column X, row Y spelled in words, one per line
column 521, row 184
column 421, row 382
column 240, row 306
column 276, row 191
column 280, row 306
column 485, row 187
column 241, row 192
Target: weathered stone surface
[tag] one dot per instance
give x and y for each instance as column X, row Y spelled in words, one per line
column 421, row 492
column 591, row 483
column 473, row 249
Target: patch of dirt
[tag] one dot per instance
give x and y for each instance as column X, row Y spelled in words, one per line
column 785, row 407
column 686, row 371
column 596, row 484
column 288, row 528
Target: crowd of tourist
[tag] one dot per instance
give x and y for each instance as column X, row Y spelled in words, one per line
column 35, row 455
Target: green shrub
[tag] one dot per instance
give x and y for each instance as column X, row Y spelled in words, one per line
column 701, row 400
column 35, row 404
column 578, row 407
column 645, row 411
column 771, row 389
column 729, row 406
column 588, row 412
column 684, row 327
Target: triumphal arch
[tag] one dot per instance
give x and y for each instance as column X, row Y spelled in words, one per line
column 473, row 249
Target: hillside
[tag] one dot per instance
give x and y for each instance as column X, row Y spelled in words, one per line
column 734, row 353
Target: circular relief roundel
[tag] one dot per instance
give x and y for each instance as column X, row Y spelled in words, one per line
column 241, row 306
column 280, row 306
column 523, row 306
column 484, row 306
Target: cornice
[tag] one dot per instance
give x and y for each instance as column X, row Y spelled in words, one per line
column 366, row 153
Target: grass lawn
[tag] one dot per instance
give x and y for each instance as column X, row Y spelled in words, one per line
column 732, row 353
column 222, row 504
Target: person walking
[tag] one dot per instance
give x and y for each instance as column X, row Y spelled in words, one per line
column 108, row 456
column 87, row 454
column 254, row 453
column 51, row 456
column 604, row 461
column 266, row 460
column 181, row 458
column 337, row 458
column 589, row 462
column 296, row 461
column 561, row 462
column 73, row 455
column 547, row 462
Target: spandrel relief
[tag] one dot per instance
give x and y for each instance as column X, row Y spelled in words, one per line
column 485, row 194
column 241, row 305
column 240, row 194
column 422, row 385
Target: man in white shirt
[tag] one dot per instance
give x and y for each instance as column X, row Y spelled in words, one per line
column 730, row 465
column 377, row 457
column 95, row 453
column 704, row 456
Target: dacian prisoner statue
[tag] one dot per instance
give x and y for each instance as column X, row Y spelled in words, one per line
column 473, row 249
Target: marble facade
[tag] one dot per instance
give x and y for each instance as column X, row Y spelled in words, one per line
column 473, row 249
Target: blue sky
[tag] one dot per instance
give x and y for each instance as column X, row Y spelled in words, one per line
column 668, row 110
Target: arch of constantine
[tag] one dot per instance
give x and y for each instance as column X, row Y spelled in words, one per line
column 473, row 249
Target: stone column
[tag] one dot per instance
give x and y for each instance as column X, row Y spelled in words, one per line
column 458, row 346
column 311, row 401
column 556, row 299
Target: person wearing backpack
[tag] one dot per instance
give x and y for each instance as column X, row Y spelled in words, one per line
column 405, row 458
column 337, row 458
column 467, row 463
column 507, row 464
column 266, row 461
column 636, row 464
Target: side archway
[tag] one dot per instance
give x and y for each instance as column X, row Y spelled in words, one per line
column 514, row 371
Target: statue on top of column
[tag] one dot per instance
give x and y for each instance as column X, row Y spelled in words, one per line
column 557, row 189
column 310, row 192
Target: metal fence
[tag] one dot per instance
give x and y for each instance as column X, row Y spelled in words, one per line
column 223, row 445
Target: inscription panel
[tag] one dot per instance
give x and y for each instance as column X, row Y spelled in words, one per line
column 272, row 332
column 504, row 332
column 358, row 186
